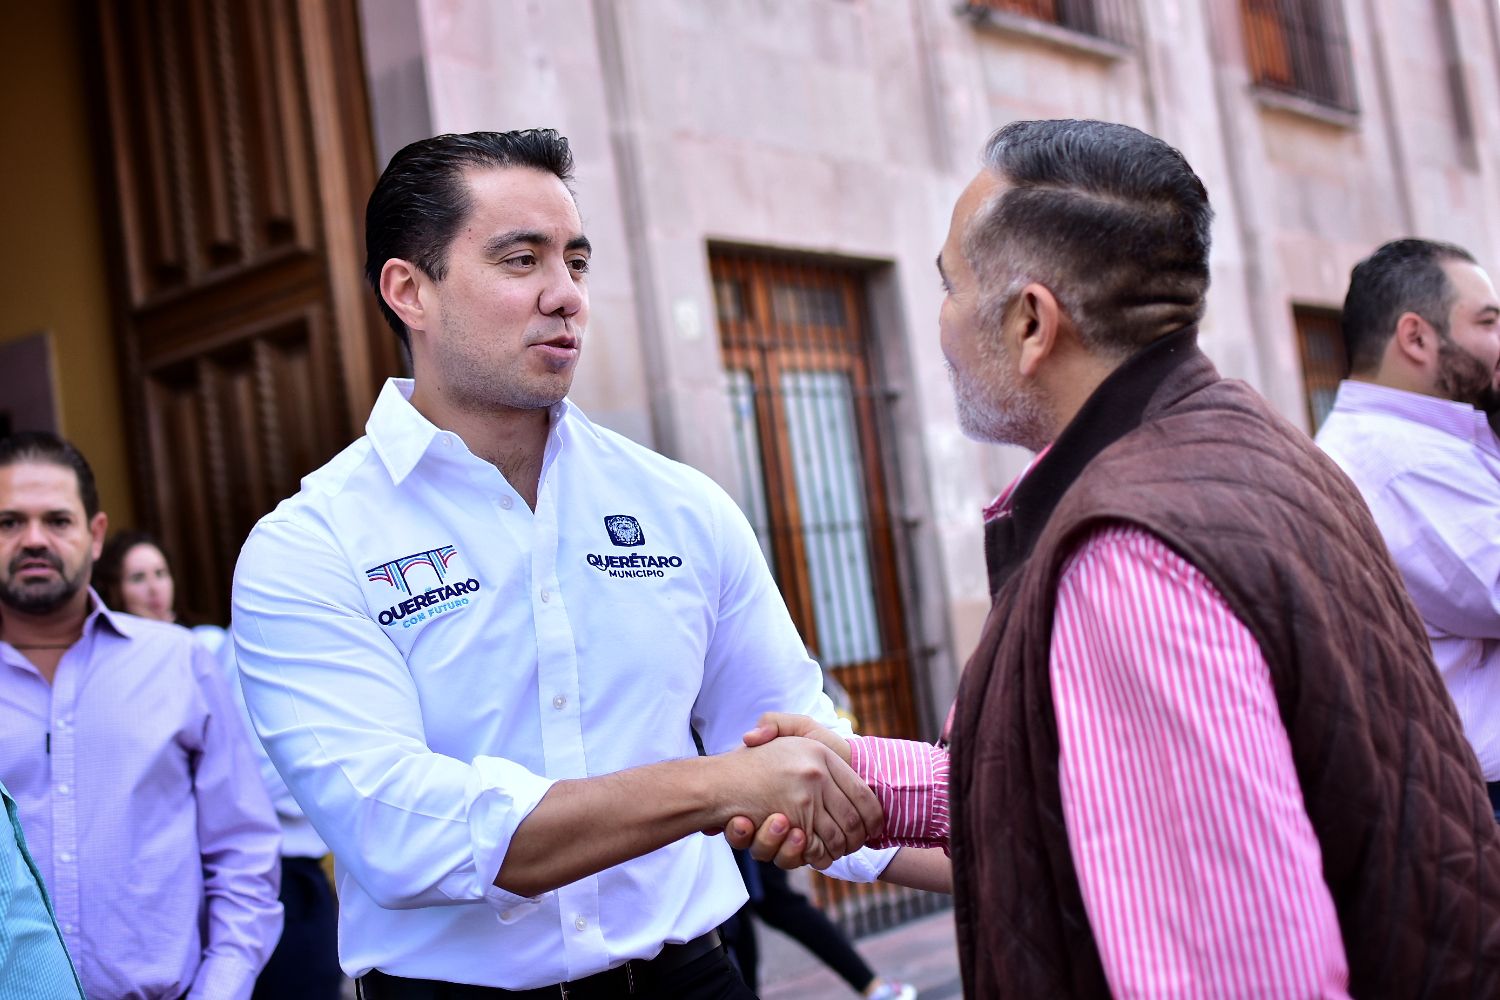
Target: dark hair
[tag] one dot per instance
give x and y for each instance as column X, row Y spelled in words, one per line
column 43, row 446
column 1112, row 220
column 422, row 199
column 109, row 570
column 1402, row 276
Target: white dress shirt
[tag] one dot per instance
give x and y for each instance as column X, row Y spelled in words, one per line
column 1430, row 470
column 423, row 656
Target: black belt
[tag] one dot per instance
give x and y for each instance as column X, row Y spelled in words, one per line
column 624, row 980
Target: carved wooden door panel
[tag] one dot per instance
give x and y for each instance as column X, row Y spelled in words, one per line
column 240, row 156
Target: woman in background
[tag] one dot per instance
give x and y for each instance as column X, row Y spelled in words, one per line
column 134, row 576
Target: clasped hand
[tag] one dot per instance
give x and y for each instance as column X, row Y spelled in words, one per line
column 817, row 828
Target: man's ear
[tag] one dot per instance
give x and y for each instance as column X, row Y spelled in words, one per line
column 98, row 528
column 1038, row 320
column 1415, row 340
column 401, row 285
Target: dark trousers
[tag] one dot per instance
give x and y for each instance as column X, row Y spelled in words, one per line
column 305, row 964
column 773, row 900
column 710, row 977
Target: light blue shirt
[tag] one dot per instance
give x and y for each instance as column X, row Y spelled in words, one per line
column 1430, row 470
column 33, row 961
column 424, row 655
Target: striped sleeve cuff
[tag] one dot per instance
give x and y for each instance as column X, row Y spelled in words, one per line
column 911, row 781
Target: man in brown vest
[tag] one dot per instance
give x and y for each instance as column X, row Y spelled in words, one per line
column 1202, row 749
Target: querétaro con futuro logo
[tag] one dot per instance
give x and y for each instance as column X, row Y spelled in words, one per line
column 438, row 598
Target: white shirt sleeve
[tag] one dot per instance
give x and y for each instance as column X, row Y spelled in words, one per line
column 337, row 711
column 757, row 663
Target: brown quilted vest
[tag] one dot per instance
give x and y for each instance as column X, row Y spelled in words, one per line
column 1410, row 847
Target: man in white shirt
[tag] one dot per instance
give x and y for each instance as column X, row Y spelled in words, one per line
column 1411, row 427
column 477, row 643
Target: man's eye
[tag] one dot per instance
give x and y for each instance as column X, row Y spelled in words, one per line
column 522, row 259
column 580, row 265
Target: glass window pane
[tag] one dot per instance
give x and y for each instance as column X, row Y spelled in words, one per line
column 830, row 480
column 747, row 443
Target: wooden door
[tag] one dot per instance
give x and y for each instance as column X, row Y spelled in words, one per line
column 818, row 491
column 239, row 156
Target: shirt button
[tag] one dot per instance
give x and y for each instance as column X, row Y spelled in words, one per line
column 65, row 858
column 447, row 441
column 70, row 928
column 560, row 702
column 579, row 923
column 507, row 503
column 546, row 595
column 62, row 789
column 62, row 725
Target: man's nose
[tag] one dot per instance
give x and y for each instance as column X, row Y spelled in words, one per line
column 563, row 296
column 34, row 539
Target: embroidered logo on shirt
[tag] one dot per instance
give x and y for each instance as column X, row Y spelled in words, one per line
column 394, row 572
column 624, row 530
column 435, row 600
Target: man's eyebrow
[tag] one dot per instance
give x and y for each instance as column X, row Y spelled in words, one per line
column 1489, row 309
column 504, row 242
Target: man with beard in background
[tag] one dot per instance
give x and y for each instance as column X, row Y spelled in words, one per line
column 1412, row 427
column 131, row 771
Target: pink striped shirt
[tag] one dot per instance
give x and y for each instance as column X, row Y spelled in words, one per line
column 1199, row 868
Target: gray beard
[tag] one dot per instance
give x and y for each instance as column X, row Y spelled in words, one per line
column 1020, row 420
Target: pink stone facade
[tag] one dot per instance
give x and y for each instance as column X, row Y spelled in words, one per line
column 846, row 128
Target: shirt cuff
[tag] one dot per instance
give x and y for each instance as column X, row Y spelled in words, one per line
column 864, row 865
column 501, row 793
column 911, row 781
column 221, row 977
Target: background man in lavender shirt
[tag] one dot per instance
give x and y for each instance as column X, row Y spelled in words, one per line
column 133, row 774
column 1411, row 427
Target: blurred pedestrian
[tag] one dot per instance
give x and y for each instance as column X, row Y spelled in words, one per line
column 1411, row 427
column 34, row 962
column 131, row 769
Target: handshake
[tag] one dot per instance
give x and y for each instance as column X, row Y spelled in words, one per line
column 791, row 796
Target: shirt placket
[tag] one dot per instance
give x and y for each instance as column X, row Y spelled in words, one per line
column 562, row 723
column 62, row 749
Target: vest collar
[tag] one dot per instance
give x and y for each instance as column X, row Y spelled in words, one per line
column 1145, row 383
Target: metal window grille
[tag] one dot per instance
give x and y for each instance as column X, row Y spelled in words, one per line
column 1324, row 360
column 1300, row 47
column 818, row 490
column 1107, row 19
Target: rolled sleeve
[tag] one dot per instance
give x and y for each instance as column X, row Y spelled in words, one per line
column 340, row 716
column 501, row 794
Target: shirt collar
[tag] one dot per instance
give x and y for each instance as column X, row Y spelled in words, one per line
column 1458, row 419
column 400, row 434
column 1000, row 506
column 100, row 616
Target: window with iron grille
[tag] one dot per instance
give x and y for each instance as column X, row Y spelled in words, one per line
column 1324, row 360
column 820, row 493
column 1106, row 19
column 1299, row 47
